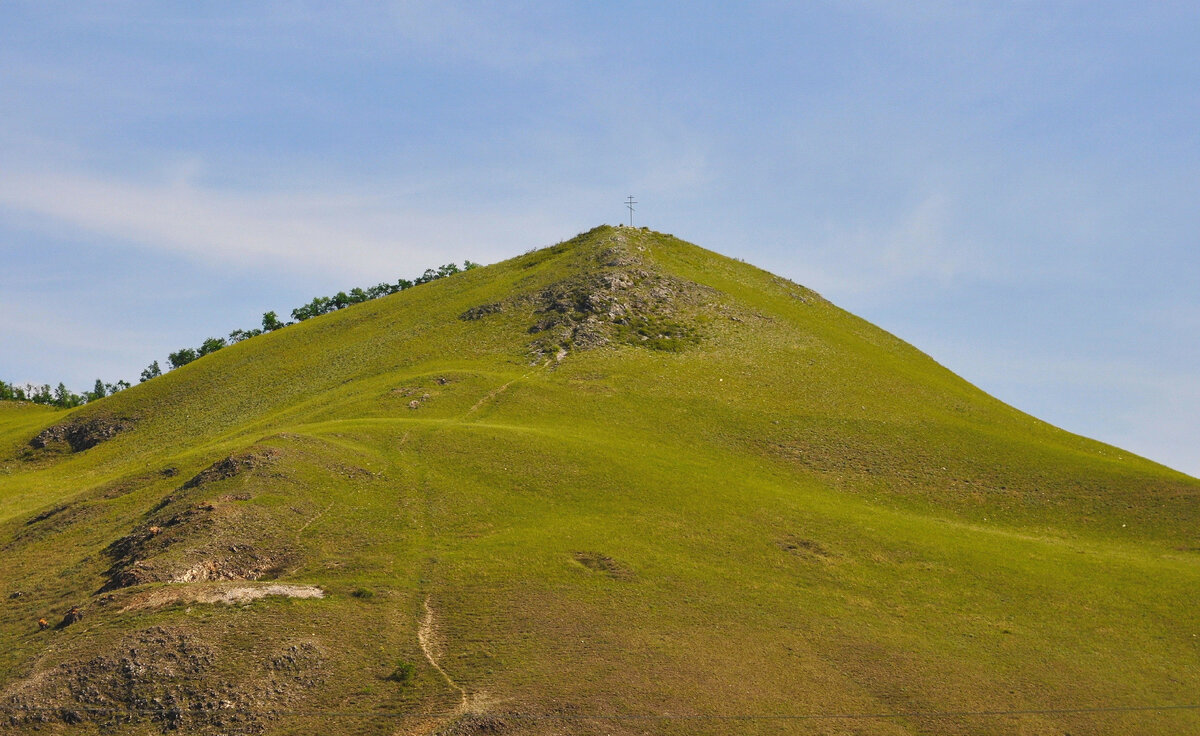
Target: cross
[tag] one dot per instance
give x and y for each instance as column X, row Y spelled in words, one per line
column 630, row 203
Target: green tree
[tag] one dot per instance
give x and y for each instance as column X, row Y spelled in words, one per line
column 152, row 371
column 318, row 306
column 270, row 322
column 238, row 335
column 211, row 345
column 41, row 394
column 182, row 357
column 65, row 399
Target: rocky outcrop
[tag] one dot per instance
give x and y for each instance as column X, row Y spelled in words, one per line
column 231, row 466
column 481, row 311
column 173, row 677
column 84, row 433
column 189, row 538
column 616, row 298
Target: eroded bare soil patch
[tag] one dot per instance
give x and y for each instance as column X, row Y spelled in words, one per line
column 228, row 594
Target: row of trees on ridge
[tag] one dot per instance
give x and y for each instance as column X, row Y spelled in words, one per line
column 64, row 398
column 60, row 395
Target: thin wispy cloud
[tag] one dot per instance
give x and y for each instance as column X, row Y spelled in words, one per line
column 351, row 234
column 942, row 168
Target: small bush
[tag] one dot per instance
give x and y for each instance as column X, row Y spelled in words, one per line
column 403, row 674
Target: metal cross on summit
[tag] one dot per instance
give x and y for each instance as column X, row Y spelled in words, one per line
column 630, row 203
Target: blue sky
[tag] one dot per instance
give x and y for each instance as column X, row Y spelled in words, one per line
column 1011, row 187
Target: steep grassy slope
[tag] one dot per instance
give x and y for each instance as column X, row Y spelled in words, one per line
column 621, row 485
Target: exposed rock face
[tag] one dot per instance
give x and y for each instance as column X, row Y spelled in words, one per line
column 633, row 307
column 231, row 466
column 240, row 562
column 169, row 676
column 618, row 298
column 189, row 676
column 481, row 311
column 188, row 542
column 81, row 434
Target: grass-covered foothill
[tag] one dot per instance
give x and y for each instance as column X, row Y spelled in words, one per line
column 621, row 485
column 63, row 398
column 318, row 306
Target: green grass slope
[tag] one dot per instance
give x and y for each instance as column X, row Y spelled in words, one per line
column 621, row 485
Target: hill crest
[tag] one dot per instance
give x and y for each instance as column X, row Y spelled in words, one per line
column 612, row 476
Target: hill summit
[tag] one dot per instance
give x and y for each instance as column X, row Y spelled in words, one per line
column 620, row 485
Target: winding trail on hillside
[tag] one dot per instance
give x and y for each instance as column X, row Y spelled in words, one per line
column 427, row 638
column 430, row 646
column 490, row 395
column 309, row 523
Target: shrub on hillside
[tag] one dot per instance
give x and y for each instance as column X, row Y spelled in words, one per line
column 403, row 674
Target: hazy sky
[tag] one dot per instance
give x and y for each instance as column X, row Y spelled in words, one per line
column 1011, row 187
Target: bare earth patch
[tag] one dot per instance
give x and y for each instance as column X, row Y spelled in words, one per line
column 227, row 594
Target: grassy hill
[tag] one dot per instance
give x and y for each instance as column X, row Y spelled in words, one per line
column 621, row 485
